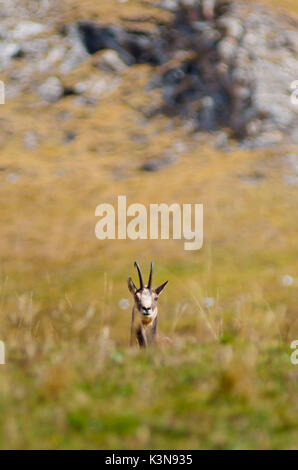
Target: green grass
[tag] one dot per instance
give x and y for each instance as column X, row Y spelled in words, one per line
column 190, row 396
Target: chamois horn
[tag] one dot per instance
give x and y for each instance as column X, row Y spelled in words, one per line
column 140, row 274
column 150, row 276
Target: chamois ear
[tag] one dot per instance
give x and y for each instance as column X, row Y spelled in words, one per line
column 160, row 288
column 131, row 286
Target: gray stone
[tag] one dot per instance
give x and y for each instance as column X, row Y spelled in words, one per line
column 77, row 53
column 110, row 60
column 96, row 86
column 253, row 178
column 30, row 140
column 51, row 90
column 221, row 65
column 157, row 164
column 28, row 29
column 291, row 169
column 8, row 51
column 231, row 27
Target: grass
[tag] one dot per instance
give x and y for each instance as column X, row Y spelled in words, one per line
column 70, row 380
column 225, row 396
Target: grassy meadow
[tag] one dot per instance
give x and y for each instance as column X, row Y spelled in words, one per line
column 70, row 380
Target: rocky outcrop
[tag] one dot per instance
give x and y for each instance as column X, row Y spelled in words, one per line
column 220, row 65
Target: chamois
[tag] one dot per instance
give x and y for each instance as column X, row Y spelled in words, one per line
column 144, row 312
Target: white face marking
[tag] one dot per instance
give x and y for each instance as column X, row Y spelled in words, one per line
column 146, row 299
column 146, row 304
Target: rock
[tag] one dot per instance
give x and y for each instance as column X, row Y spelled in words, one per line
column 35, row 47
column 213, row 59
column 170, row 5
column 292, row 40
column 291, row 180
column 64, row 116
column 132, row 47
column 96, row 86
column 139, row 139
column 82, row 101
column 253, row 178
column 253, row 127
column 222, row 81
column 180, row 147
column 221, row 142
column 30, row 140
column 9, row 51
column 28, row 29
column 51, row 90
column 12, row 178
column 55, row 55
column 102, row 86
column 69, row 137
column 18, row 79
column 291, row 170
column 265, row 139
column 77, row 51
column 207, row 113
column 231, row 27
column 208, row 9
column 111, row 61
column 158, row 164
column 227, row 48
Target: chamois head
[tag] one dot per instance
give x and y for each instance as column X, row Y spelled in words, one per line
column 145, row 297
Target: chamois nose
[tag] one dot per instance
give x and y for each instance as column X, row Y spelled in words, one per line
column 146, row 310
